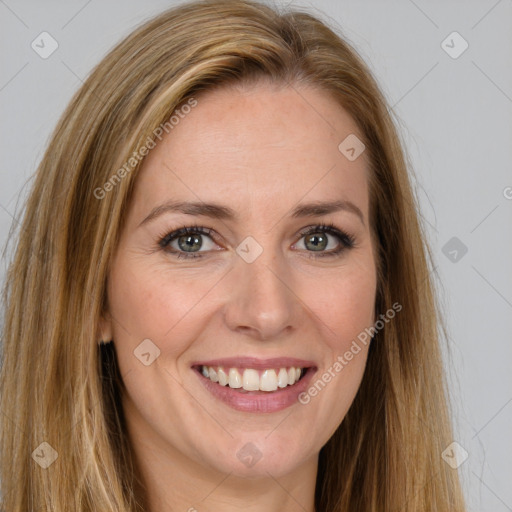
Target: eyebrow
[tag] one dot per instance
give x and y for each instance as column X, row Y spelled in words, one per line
column 218, row 211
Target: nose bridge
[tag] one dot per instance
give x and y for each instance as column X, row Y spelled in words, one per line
column 262, row 300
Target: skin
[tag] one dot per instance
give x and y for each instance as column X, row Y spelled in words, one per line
column 260, row 150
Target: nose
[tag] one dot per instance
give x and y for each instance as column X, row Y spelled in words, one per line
column 263, row 301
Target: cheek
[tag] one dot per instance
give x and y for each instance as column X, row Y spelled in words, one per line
column 149, row 303
column 347, row 306
column 346, row 311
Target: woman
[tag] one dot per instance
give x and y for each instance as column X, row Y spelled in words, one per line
column 280, row 352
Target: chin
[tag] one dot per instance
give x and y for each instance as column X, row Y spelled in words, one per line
column 257, row 457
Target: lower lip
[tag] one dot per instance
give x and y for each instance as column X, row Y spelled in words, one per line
column 263, row 401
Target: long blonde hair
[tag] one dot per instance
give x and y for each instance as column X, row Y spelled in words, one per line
column 59, row 387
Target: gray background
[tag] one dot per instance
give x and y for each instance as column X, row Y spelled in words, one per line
column 455, row 117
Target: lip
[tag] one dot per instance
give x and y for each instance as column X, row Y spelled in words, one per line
column 256, row 363
column 255, row 401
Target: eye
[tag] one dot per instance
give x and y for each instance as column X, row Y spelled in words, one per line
column 186, row 242
column 317, row 239
column 188, row 239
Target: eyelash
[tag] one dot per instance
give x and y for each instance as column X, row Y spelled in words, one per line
column 347, row 241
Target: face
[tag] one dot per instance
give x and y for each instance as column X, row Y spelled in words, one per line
column 257, row 293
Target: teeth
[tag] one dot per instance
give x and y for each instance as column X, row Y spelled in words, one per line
column 251, row 380
column 294, row 374
column 223, row 378
column 235, row 380
column 213, row 375
column 268, row 381
column 282, row 378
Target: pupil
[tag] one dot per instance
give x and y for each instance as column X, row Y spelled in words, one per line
column 189, row 242
column 320, row 243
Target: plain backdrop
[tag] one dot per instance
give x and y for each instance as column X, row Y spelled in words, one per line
column 451, row 95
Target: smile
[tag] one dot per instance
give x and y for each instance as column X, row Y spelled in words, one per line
column 255, row 385
column 251, row 379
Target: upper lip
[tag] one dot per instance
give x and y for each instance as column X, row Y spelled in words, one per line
column 256, row 363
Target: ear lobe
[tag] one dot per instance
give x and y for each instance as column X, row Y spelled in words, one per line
column 104, row 329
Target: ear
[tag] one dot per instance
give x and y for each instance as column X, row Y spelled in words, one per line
column 104, row 329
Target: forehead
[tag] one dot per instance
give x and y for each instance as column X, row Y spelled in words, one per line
column 260, row 147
